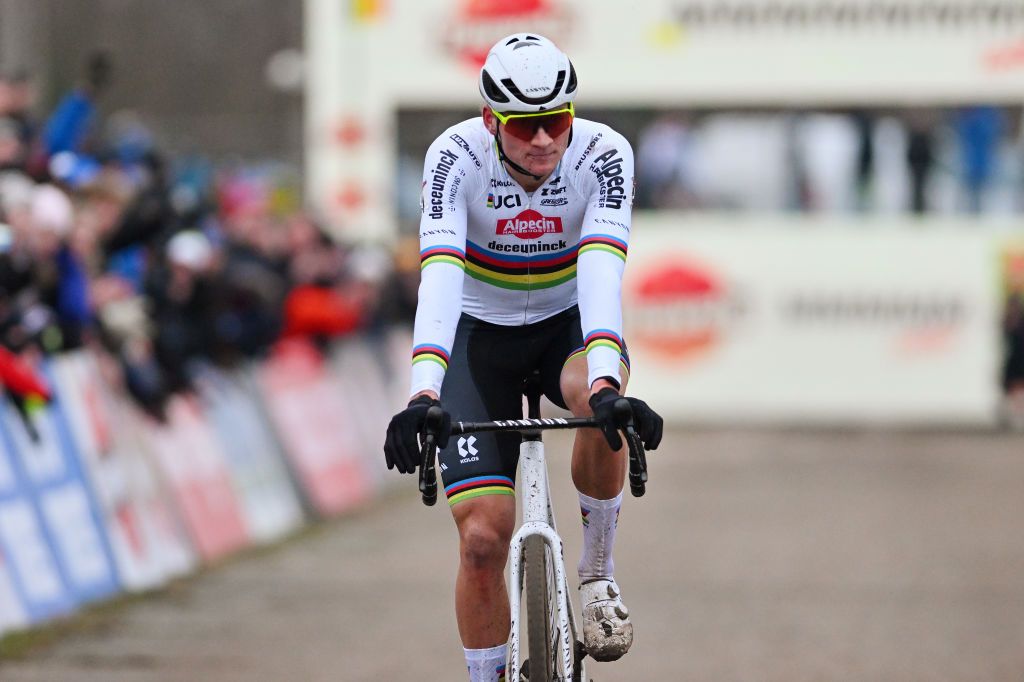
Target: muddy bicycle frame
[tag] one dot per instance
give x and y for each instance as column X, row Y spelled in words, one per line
column 538, row 522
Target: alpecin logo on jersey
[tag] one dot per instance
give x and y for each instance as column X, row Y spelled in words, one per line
column 608, row 168
column 529, row 225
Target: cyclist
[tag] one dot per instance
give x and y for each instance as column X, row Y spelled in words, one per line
column 523, row 233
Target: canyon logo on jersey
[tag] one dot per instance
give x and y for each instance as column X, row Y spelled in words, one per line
column 529, row 225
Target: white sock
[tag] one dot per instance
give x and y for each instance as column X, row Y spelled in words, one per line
column 600, row 518
column 487, row 665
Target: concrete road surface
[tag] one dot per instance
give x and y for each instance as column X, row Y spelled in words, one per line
column 757, row 555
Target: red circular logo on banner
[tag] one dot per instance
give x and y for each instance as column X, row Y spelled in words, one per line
column 679, row 309
column 350, row 196
column 349, row 132
column 479, row 23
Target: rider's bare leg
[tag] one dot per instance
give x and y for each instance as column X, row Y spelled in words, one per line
column 485, row 527
column 598, row 473
column 596, row 470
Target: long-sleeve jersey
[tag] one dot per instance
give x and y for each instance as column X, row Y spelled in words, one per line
column 510, row 257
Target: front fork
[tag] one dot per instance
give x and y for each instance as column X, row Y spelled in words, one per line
column 538, row 519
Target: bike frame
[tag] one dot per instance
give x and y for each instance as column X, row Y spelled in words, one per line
column 539, row 520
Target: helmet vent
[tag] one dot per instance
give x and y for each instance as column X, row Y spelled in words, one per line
column 491, row 88
column 571, row 87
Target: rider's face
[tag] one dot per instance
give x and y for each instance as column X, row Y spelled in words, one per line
column 539, row 155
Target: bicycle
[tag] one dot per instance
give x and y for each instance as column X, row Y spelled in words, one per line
column 536, row 564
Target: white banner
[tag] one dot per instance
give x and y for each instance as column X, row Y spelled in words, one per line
column 803, row 320
column 657, row 53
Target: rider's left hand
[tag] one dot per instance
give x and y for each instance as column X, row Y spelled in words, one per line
column 647, row 422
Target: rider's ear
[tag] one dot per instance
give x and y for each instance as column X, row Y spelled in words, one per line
column 489, row 120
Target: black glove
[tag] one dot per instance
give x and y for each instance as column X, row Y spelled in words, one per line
column 402, row 445
column 647, row 422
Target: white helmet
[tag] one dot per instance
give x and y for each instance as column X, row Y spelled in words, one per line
column 527, row 73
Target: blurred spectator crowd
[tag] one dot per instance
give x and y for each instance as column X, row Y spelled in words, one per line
column 921, row 160
column 167, row 265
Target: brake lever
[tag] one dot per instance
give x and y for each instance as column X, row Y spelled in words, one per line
column 637, row 464
column 428, row 454
column 637, row 457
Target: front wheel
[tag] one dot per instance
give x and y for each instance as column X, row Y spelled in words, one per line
column 539, row 593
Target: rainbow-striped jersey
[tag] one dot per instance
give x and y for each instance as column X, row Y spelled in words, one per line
column 510, row 257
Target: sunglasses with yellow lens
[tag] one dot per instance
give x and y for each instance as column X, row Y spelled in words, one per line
column 525, row 126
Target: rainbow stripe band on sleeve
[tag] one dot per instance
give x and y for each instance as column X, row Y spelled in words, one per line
column 443, row 254
column 623, row 357
column 603, row 242
column 428, row 352
column 479, row 486
column 603, row 338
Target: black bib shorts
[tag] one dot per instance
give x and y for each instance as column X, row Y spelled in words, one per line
column 484, row 382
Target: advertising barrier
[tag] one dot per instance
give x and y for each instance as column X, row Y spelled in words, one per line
column 268, row 501
column 316, row 424
column 53, row 468
column 808, row 320
column 194, row 468
column 146, row 535
column 51, row 523
column 12, row 615
column 30, row 564
column 361, row 365
column 98, row 497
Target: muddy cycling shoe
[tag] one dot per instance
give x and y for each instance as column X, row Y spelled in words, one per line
column 607, row 632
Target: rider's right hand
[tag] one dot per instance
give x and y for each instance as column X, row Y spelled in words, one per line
column 402, row 445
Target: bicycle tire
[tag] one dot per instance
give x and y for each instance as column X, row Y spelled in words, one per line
column 538, row 611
